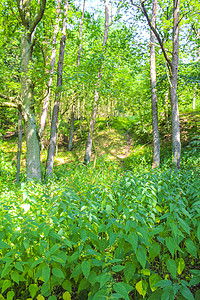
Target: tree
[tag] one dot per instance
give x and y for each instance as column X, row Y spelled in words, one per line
column 88, row 149
column 172, row 65
column 154, row 100
column 32, row 142
column 54, row 121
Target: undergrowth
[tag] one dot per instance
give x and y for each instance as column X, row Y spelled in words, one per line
column 103, row 233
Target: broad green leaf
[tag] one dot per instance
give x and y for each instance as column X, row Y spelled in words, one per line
column 3, row 245
column 15, row 277
column 46, row 273
column 6, row 285
column 191, row 248
column 45, row 289
column 154, row 251
column 186, row 293
column 52, row 297
column 198, row 232
column 141, row 256
column 10, row 295
column 129, row 271
column 122, row 289
column 171, row 245
column 58, row 273
column 133, row 240
column 68, row 243
column 53, row 249
column 112, row 238
column 33, row 288
column 103, row 278
column 163, row 283
column 67, row 285
column 171, row 266
column 85, row 267
column 108, row 209
column 19, row 267
column 180, row 265
column 26, row 243
column 167, row 293
column 141, row 287
column 6, row 271
column 66, row 296
column 83, row 285
column 118, row 268
column 153, row 279
column 46, row 229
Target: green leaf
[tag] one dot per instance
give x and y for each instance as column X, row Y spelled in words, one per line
column 54, row 248
column 52, row 298
column 46, row 273
column 58, row 273
column 6, row 285
column 141, row 287
column 198, row 232
column 15, row 277
column 108, row 209
column 67, row 285
column 191, row 248
column 153, row 279
column 26, row 243
column 122, row 289
column 171, row 245
column 33, row 288
column 68, row 243
column 19, row 267
column 129, row 271
column 118, row 268
column 171, row 266
column 6, row 271
column 133, row 240
column 180, row 265
column 85, row 267
column 141, row 256
column 3, row 245
column 154, row 251
column 163, row 283
column 46, row 229
column 167, row 293
column 186, row 293
column 103, row 278
column 10, row 295
column 45, row 289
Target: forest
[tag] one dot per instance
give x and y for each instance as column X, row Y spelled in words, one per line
column 100, row 149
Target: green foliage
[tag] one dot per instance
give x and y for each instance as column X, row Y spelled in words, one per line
column 101, row 233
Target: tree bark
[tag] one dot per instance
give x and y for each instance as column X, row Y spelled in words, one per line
column 54, row 122
column 88, row 149
column 19, row 147
column 32, row 142
column 52, row 63
column 154, row 100
column 176, row 142
column 73, row 103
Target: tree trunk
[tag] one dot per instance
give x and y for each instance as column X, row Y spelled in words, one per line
column 176, row 143
column 54, row 122
column 19, row 147
column 71, row 128
column 88, row 149
column 194, row 97
column 32, row 142
column 78, row 63
column 154, row 100
column 52, row 62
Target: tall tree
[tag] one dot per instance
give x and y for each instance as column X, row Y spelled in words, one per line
column 74, row 99
column 88, row 149
column 172, row 65
column 52, row 66
column 32, row 142
column 54, row 121
column 154, row 99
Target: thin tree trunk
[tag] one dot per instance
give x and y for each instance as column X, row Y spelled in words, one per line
column 19, row 147
column 52, row 63
column 32, row 142
column 154, row 100
column 176, row 142
column 194, row 97
column 88, row 149
column 54, row 122
column 74, row 100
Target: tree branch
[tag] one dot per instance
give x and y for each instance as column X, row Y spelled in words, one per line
column 22, row 16
column 169, row 63
column 38, row 16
